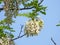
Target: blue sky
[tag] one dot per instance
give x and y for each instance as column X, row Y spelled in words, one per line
column 50, row 29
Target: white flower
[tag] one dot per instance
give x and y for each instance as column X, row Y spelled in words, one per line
column 33, row 27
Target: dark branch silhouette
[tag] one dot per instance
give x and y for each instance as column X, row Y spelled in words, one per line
column 53, row 41
column 18, row 37
column 21, row 30
column 19, row 9
column 41, row 2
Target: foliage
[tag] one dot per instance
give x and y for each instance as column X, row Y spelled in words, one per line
column 4, row 27
column 11, row 8
column 58, row 24
column 0, row 1
column 36, row 8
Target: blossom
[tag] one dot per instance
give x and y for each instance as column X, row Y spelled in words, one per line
column 32, row 27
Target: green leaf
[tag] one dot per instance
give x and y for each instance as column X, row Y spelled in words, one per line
column 2, row 34
column 43, row 12
column 1, row 27
column 0, row 1
column 12, row 30
column 24, row 14
column 9, row 28
column 11, row 35
column 58, row 25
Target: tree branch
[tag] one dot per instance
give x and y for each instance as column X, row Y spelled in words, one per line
column 40, row 2
column 19, row 9
column 24, row 8
column 18, row 37
column 19, row 34
column 53, row 41
column 20, row 30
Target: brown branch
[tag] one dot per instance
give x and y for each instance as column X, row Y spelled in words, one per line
column 53, row 41
column 19, row 9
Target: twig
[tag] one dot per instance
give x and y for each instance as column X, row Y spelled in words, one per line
column 41, row 2
column 18, row 37
column 20, row 30
column 18, row 9
column 53, row 41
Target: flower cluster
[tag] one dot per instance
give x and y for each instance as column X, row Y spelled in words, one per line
column 33, row 27
column 11, row 10
column 6, row 41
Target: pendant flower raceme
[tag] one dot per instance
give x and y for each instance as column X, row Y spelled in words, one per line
column 6, row 41
column 33, row 27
